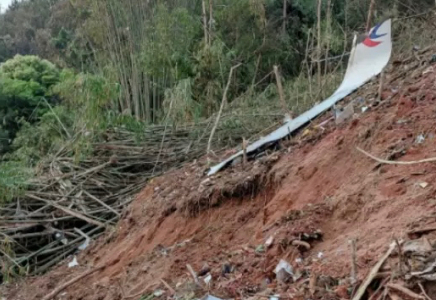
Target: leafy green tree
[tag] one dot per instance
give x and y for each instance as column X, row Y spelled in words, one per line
column 25, row 83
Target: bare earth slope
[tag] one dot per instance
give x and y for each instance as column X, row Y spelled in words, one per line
column 317, row 190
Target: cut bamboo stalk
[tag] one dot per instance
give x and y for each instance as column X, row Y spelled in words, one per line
column 223, row 103
column 370, row 13
column 281, row 92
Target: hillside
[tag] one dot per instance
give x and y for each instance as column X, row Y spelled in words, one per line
column 302, row 203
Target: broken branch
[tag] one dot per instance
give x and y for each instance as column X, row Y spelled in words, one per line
column 223, row 103
column 72, row 281
column 391, row 162
column 405, row 291
column 361, row 291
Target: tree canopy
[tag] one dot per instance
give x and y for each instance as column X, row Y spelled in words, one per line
column 25, row 83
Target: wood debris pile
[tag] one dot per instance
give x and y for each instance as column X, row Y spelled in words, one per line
column 71, row 202
column 406, row 271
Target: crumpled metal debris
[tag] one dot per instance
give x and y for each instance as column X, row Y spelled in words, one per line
column 284, row 271
column 421, row 257
column 73, row 263
column 85, row 244
column 269, row 242
column 421, row 247
column 423, row 184
column 158, row 293
column 207, row 279
column 210, row 297
column 346, row 113
column 420, row 139
column 61, row 236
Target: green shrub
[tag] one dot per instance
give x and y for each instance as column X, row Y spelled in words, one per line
column 25, row 83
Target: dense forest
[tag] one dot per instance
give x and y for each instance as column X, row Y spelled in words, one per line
column 67, row 65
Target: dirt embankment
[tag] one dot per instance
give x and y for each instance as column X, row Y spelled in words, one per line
column 307, row 201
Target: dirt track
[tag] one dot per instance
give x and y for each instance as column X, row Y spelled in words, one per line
column 317, row 188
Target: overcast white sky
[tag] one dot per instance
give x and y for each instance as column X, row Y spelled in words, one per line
column 4, row 4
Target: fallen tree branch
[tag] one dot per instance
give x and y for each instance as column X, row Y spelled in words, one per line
column 404, row 291
column 70, row 212
column 421, row 230
column 353, row 276
column 62, row 287
column 392, row 162
column 423, row 291
column 362, row 289
column 193, row 274
column 102, row 203
column 170, row 289
column 298, row 243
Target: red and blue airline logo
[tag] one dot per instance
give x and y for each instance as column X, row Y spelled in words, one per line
column 370, row 40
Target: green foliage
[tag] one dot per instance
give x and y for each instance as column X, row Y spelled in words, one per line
column 35, row 141
column 89, row 95
column 179, row 103
column 25, row 83
column 14, row 176
column 169, row 41
column 149, row 47
column 31, row 69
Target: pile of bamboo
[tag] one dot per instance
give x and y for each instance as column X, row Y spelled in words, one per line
column 73, row 202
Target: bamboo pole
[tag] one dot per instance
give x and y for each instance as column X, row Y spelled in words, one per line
column 281, row 92
column 370, row 13
column 328, row 34
column 206, row 39
column 223, row 103
column 210, row 21
column 285, row 15
column 319, row 43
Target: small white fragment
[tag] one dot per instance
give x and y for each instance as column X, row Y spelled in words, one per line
column 420, row 139
column 360, row 100
column 158, row 293
column 299, row 260
column 285, row 266
column 269, row 242
column 210, row 297
column 423, row 184
column 428, row 70
column 320, row 255
column 207, row 279
column 287, row 118
column 73, row 263
column 364, row 109
column 84, row 245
